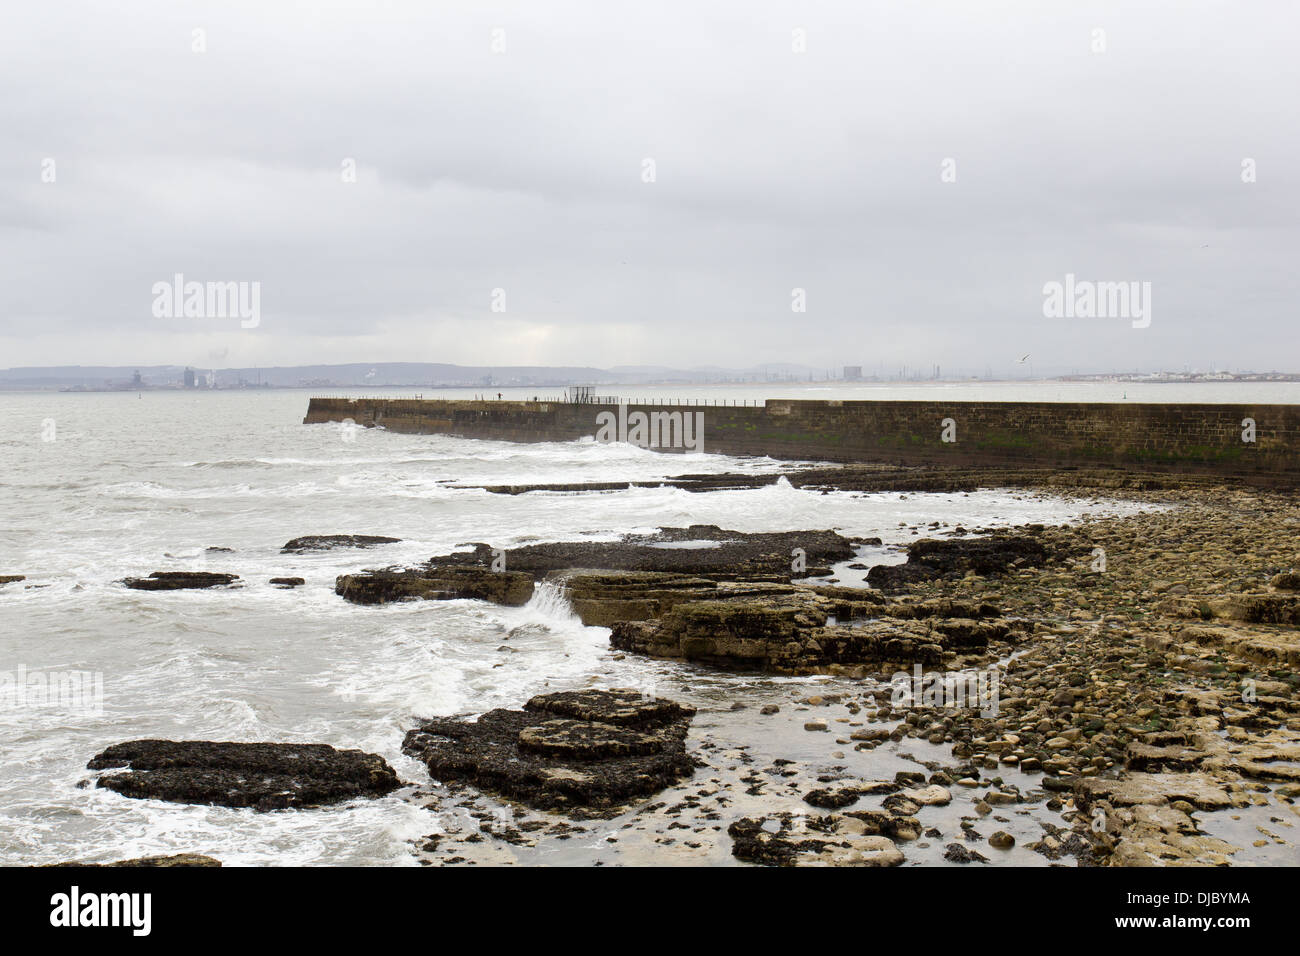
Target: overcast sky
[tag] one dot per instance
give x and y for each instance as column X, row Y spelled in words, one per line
column 524, row 170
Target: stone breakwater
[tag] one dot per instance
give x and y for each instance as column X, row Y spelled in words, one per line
column 1256, row 442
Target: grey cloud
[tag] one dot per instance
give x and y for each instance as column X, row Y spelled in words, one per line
column 774, row 170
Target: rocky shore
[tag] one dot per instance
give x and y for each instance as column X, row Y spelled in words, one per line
column 1146, row 672
column 1159, row 681
column 1144, row 706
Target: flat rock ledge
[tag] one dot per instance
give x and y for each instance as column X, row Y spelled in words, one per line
column 796, row 630
column 264, row 776
column 590, row 749
column 1145, row 819
column 180, row 580
column 687, row 603
column 787, row 839
column 638, row 576
column 603, row 598
column 325, row 542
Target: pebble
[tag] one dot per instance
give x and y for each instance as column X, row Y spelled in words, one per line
column 1002, row 840
column 932, row 796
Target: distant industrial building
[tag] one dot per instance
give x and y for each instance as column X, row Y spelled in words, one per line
column 189, row 378
column 853, row 373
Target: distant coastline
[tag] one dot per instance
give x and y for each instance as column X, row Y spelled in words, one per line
column 490, row 378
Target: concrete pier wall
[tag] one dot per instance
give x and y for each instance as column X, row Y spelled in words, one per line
column 1194, row 438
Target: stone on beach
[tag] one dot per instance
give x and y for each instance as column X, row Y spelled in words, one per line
column 1286, row 581
column 786, row 839
column 932, row 796
column 1002, row 840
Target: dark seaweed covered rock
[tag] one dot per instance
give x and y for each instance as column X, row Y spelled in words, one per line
column 697, row 483
column 930, row 558
column 702, row 550
column 324, row 542
column 264, row 776
column 11, row 578
column 511, row 588
column 576, row 749
column 622, row 708
column 828, row 798
column 956, row 853
column 180, row 580
column 175, row 859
